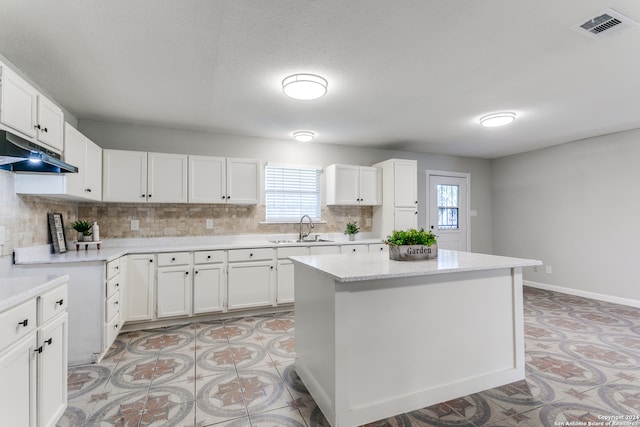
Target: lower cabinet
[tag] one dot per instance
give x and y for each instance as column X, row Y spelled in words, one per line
column 141, row 271
column 209, row 284
column 173, row 297
column 34, row 368
column 251, row 284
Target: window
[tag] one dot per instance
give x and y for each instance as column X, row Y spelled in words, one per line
column 448, row 205
column 291, row 192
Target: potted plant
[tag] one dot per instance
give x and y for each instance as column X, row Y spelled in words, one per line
column 84, row 228
column 352, row 229
column 411, row 245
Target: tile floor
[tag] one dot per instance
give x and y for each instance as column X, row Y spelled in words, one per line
column 582, row 357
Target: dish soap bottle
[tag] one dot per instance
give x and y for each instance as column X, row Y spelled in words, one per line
column 96, row 232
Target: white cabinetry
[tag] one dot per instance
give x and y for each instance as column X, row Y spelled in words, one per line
column 134, row 176
column 285, row 283
column 174, row 284
column 140, row 287
column 28, row 112
column 209, row 281
column 114, row 303
column 399, row 209
column 222, row 180
column 354, row 249
column 352, row 185
column 33, row 360
column 84, row 185
column 251, row 278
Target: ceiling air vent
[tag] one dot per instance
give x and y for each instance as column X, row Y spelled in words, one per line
column 605, row 23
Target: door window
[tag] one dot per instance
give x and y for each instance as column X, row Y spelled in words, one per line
column 448, row 206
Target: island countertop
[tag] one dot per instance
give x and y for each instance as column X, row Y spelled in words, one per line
column 372, row 266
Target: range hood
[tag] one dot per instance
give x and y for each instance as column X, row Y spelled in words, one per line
column 19, row 155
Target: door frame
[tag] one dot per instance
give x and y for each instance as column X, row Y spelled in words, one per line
column 467, row 177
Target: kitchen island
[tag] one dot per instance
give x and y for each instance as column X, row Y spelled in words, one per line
column 376, row 337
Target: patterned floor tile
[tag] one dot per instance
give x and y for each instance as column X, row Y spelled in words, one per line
column 282, row 417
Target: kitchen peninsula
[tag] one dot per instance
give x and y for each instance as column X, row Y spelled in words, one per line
column 376, row 337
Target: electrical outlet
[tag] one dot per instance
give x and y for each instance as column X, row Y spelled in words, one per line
column 209, row 224
column 367, row 222
column 548, row 269
column 135, row 225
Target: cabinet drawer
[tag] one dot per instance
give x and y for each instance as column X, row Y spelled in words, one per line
column 352, row 249
column 174, row 258
column 324, row 250
column 113, row 285
column 250, row 254
column 12, row 323
column 111, row 331
column 113, row 306
column 292, row 251
column 113, row 268
column 51, row 303
column 378, row 248
column 208, row 257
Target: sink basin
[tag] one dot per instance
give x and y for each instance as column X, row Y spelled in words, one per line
column 285, row 241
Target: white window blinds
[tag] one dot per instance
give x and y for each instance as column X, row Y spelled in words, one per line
column 292, row 191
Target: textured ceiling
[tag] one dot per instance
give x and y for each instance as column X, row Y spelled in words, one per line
column 410, row 75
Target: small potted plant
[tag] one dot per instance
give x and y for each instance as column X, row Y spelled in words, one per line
column 84, row 228
column 412, row 245
column 352, row 229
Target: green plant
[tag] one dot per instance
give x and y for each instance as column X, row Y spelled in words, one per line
column 352, row 228
column 82, row 226
column 411, row 237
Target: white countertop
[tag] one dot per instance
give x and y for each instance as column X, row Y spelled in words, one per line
column 18, row 289
column 114, row 248
column 373, row 266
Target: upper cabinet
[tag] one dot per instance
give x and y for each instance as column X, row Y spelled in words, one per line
column 80, row 151
column 28, row 112
column 224, row 180
column 352, row 185
column 135, row 176
column 399, row 209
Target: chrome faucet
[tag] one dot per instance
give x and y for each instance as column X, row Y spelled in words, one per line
column 302, row 236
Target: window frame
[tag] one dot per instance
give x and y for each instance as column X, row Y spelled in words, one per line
column 293, row 218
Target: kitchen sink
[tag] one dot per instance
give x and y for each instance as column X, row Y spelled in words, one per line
column 286, row 241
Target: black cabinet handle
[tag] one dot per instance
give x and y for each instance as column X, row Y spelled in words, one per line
column 354, row 250
column 186, row 272
column 173, row 259
column 45, row 130
column 88, row 190
column 208, row 256
column 196, row 271
column 150, row 260
column 37, row 126
column 250, row 255
column 24, row 323
column 224, row 197
column 49, row 341
column 149, row 196
column 38, row 350
column 117, row 285
column 143, row 196
column 61, row 301
column 116, row 302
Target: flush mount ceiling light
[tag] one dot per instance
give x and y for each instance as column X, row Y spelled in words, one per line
column 304, row 86
column 497, row 119
column 303, row 135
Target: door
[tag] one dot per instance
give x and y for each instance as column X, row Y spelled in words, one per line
column 18, row 390
column 167, row 178
column 207, row 179
column 448, row 211
column 124, row 176
column 405, row 184
column 369, row 186
column 346, row 183
column 250, row 284
column 50, row 124
column 75, row 154
column 52, row 371
column 93, row 172
column 243, row 181
column 174, row 292
column 208, row 289
column 139, row 289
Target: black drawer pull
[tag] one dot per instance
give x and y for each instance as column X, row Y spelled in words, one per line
column 61, row 301
column 208, row 256
column 173, row 259
column 49, row 341
column 38, row 350
column 24, row 323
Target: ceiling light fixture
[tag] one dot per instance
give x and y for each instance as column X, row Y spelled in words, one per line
column 497, row 119
column 304, row 86
column 303, row 135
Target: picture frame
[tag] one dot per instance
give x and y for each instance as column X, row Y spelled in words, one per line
column 56, row 230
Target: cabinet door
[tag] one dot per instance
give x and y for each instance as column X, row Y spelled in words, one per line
column 208, row 289
column 207, row 179
column 140, row 287
column 243, row 181
column 124, row 176
column 323, row 250
column 19, row 103
column 50, row 124
column 405, row 183
column 343, row 182
column 167, row 178
column 285, row 283
column 18, row 390
column 173, row 297
column 75, row 154
column 93, row 171
column 250, row 284
column 52, row 371
column 405, row 218
column 370, row 193
column 353, row 249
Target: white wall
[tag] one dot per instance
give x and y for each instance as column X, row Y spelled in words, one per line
column 576, row 207
column 159, row 139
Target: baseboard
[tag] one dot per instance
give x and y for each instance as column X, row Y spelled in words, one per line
column 585, row 294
